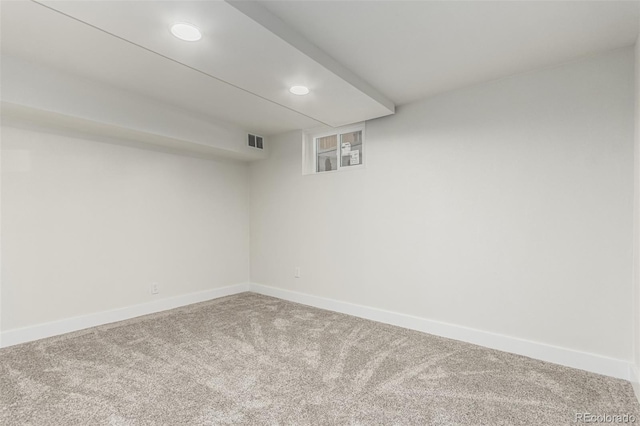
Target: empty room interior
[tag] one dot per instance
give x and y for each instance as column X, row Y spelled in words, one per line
column 319, row 212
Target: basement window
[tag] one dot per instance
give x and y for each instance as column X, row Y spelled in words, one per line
column 333, row 150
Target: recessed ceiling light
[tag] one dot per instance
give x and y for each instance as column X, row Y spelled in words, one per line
column 186, row 32
column 299, row 90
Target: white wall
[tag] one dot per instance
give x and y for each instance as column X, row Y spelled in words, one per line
column 88, row 226
column 45, row 89
column 636, row 226
column 505, row 207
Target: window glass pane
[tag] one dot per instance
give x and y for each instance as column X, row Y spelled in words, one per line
column 327, row 153
column 351, row 149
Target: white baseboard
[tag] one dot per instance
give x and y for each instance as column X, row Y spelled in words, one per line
column 55, row 328
column 568, row 357
column 634, row 377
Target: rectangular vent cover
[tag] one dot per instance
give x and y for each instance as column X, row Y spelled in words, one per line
column 256, row 141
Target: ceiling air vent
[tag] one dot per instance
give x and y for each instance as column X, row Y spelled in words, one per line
column 256, row 141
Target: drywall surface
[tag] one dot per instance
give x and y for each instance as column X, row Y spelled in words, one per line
column 35, row 87
column 88, row 227
column 505, row 207
column 636, row 224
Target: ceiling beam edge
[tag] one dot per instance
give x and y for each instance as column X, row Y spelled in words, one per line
column 23, row 116
column 277, row 26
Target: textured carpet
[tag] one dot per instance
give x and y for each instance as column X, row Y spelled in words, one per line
column 251, row 359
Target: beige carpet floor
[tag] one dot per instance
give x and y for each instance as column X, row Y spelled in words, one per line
column 252, row 359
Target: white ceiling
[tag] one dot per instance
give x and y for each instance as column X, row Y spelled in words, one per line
column 410, row 50
column 234, row 49
column 240, row 72
column 358, row 57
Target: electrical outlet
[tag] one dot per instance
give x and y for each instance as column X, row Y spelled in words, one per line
column 297, row 273
column 155, row 288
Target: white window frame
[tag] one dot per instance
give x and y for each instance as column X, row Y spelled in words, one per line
column 310, row 149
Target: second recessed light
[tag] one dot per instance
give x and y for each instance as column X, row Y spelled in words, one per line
column 299, row 90
column 186, row 32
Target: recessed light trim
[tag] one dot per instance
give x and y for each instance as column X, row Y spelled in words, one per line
column 299, row 90
column 185, row 31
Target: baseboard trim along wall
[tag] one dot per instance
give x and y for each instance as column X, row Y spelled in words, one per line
column 571, row 358
column 55, row 328
column 634, row 377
